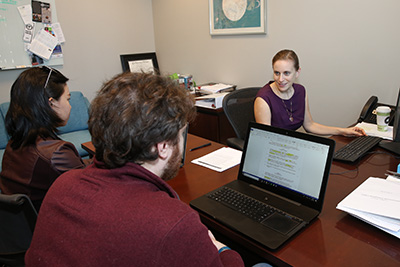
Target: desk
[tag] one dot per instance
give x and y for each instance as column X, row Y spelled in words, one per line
column 334, row 239
column 212, row 124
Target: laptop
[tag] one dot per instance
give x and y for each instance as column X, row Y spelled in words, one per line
column 184, row 135
column 283, row 175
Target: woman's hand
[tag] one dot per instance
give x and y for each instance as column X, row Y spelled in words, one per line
column 353, row 131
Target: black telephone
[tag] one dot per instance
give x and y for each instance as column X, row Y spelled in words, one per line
column 368, row 112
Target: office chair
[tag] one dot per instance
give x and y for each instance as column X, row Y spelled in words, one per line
column 239, row 109
column 17, row 222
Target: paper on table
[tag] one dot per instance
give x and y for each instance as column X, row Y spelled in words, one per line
column 377, row 196
column 377, row 202
column 220, row 160
column 372, row 129
column 376, row 220
column 393, row 179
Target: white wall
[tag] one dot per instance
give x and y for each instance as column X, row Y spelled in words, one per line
column 348, row 50
column 97, row 33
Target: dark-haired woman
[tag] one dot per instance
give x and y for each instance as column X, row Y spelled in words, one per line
column 35, row 156
column 284, row 104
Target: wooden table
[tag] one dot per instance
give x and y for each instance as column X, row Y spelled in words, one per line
column 334, row 239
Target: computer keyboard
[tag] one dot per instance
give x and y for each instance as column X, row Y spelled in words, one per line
column 246, row 205
column 356, row 148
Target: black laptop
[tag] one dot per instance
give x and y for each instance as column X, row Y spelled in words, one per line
column 280, row 187
column 184, row 135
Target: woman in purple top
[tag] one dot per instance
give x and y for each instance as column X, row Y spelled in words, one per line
column 284, row 104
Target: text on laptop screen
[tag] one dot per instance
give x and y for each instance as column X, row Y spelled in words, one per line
column 286, row 161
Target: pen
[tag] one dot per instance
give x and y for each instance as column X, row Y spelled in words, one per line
column 393, row 174
column 197, row 147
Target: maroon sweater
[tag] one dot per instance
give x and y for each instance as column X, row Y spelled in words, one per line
column 120, row 217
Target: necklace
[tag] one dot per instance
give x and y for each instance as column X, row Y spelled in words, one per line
column 290, row 113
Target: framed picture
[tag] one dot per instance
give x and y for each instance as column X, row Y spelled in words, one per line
column 146, row 62
column 229, row 17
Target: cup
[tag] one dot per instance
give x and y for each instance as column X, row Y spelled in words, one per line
column 382, row 118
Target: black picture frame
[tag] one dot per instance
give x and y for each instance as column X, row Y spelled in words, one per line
column 146, row 62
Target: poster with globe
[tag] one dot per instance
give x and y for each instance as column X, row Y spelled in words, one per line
column 237, row 17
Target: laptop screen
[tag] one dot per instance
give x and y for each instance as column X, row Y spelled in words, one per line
column 286, row 162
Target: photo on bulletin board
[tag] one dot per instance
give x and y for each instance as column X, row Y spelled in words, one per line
column 232, row 17
column 145, row 62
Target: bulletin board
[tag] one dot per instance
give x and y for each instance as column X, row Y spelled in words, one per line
column 13, row 49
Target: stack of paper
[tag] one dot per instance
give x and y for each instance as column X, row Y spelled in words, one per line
column 220, row 160
column 377, row 202
column 210, row 101
column 215, row 88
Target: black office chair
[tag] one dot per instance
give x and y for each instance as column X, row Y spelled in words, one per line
column 17, row 222
column 239, row 109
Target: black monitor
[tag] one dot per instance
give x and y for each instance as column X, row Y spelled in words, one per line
column 394, row 146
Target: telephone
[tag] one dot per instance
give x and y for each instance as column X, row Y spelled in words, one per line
column 368, row 112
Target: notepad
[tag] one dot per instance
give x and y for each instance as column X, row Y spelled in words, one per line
column 220, row 160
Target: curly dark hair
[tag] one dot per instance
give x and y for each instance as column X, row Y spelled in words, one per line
column 30, row 114
column 133, row 112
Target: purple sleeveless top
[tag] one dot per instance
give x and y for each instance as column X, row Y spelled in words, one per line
column 279, row 113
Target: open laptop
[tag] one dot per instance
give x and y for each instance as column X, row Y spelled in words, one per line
column 185, row 134
column 283, row 174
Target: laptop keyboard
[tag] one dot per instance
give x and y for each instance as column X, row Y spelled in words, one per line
column 356, row 148
column 246, row 205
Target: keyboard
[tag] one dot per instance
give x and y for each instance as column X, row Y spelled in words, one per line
column 356, row 148
column 250, row 207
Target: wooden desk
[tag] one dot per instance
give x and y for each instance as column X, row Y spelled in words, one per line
column 212, row 124
column 334, row 239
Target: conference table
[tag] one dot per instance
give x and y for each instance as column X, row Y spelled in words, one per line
column 333, row 239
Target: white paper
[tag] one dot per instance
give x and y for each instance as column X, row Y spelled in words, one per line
column 393, row 179
column 376, row 220
column 372, row 130
column 215, row 88
column 26, row 13
column 211, row 101
column 29, row 32
column 145, row 65
column 377, row 196
column 58, row 32
column 43, row 44
column 377, row 202
column 220, row 160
